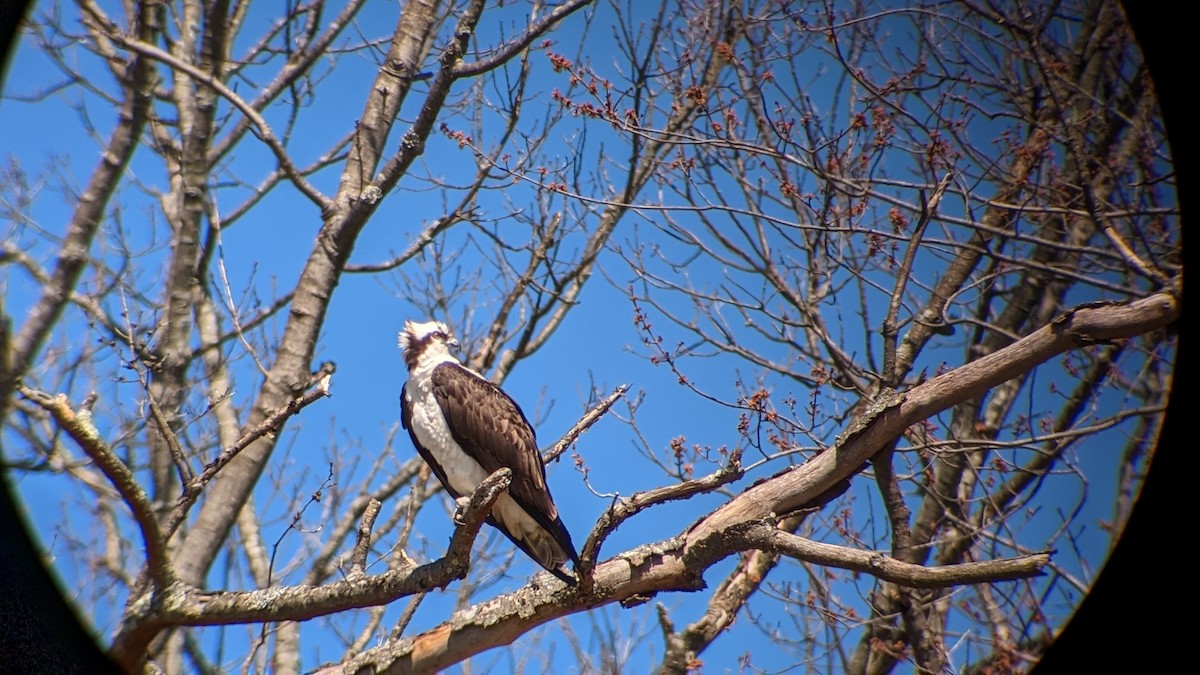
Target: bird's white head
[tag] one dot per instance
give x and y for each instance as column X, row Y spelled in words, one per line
column 429, row 340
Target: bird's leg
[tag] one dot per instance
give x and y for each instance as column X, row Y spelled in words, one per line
column 460, row 510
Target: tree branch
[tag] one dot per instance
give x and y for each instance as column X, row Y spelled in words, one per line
column 79, row 427
column 561, row 11
column 193, row 488
column 182, row 605
column 264, row 129
column 358, row 562
column 584, row 423
column 768, row 537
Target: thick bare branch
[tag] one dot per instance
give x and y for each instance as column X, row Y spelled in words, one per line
column 79, row 426
column 182, row 605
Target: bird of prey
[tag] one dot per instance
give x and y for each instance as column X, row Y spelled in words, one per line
column 466, row 428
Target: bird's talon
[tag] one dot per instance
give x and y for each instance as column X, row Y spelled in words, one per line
column 460, row 510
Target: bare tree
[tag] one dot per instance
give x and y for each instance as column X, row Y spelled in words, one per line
column 911, row 272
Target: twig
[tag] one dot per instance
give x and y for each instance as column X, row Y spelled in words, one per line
column 168, row 434
column 192, row 489
column 623, row 509
column 589, row 418
column 264, row 129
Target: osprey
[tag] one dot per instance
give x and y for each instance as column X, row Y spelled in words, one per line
column 465, row 428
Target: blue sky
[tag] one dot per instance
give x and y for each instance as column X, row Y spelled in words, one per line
column 599, row 347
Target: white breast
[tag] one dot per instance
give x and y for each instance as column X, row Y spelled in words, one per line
column 429, row 425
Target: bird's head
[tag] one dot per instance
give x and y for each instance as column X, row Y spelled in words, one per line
column 431, row 339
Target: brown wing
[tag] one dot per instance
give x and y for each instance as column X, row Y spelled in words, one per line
column 493, row 430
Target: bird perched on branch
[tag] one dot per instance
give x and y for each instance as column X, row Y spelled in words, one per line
column 465, row 428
